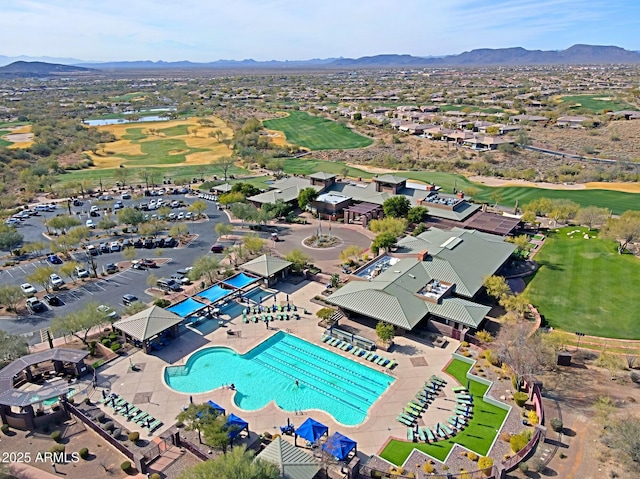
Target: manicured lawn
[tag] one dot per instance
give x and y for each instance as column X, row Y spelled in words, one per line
column 178, row 130
column 134, row 134
column 4, row 142
column 596, row 103
column 477, row 436
column 316, row 133
column 165, row 151
column 10, row 124
column 586, row 286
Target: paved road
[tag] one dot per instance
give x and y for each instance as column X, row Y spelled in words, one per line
column 108, row 290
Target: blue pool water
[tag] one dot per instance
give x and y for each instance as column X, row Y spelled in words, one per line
column 215, row 293
column 341, row 387
column 258, row 294
column 53, row 400
column 186, row 307
column 240, row 281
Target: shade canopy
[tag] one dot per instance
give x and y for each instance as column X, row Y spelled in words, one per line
column 294, row 463
column 235, row 425
column 339, row 446
column 216, row 407
column 311, row 430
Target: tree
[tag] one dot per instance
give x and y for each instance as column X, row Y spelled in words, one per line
column 396, row 226
column 131, row 217
column 145, row 175
column 10, row 296
column 238, row 463
column 497, row 287
column 623, row 434
column 562, row 210
column 351, row 253
column 68, row 269
column 298, row 258
column 417, row 214
column 396, row 206
column 11, row 347
column 34, row 248
column 591, row 216
column 306, row 197
column 385, row 331
column 41, row 276
column 223, row 229
column 107, row 224
column 122, row 175
column 129, row 253
column 79, row 323
column 197, row 208
column 244, row 212
column 223, row 164
column 10, row 239
column 134, row 308
column 540, row 207
column 279, row 209
column 496, row 197
column 179, row 231
column 384, row 241
column 344, row 172
column 625, row 229
column 205, row 266
column 63, row 223
column 230, row 198
column 153, row 228
column 522, row 244
column 253, row 243
column 247, row 189
column 196, row 416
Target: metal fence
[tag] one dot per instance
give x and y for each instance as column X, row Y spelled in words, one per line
column 366, row 471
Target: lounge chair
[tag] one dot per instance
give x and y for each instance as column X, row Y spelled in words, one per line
column 439, row 380
column 421, row 401
column 463, row 396
column 134, row 411
column 356, row 351
column 324, row 338
column 430, row 436
column 422, row 435
column 140, row 420
column 345, row 346
column 405, row 421
column 155, row 425
column 381, row 361
column 440, row 432
column 415, row 407
column 460, row 390
column 372, row 357
column 457, row 422
column 255, row 319
column 138, row 416
column 462, row 411
column 408, row 417
column 446, row 428
column 410, row 435
column 411, row 413
column 464, row 401
column 390, row 364
column 245, row 320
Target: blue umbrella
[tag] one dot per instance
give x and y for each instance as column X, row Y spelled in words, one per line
column 467, row 411
column 438, row 428
column 456, row 423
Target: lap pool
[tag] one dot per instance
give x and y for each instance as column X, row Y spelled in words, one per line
column 325, row 380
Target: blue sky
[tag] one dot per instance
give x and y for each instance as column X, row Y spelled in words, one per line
column 207, row 30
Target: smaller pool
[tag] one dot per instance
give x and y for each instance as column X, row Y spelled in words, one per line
column 52, row 401
column 258, row 295
column 186, row 308
column 240, row 281
column 215, row 293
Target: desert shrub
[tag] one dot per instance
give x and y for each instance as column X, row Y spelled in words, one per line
column 472, row 456
column 514, row 381
column 464, row 475
column 464, row 344
column 56, row 435
column 428, row 468
column 134, row 436
column 520, row 398
column 58, row 448
column 115, row 347
column 524, row 467
column 505, row 436
column 109, row 426
column 4, row 428
column 556, row 424
column 125, row 466
column 71, row 400
column 106, row 342
column 113, row 336
column 533, row 417
column 162, row 303
column 116, row 433
column 87, row 401
column 485, row 464
column 518, row 441
column 84, row 453
column 492, row 358
column 155, row 475
column 484, row 336
column 466, row 354
column 99, row 416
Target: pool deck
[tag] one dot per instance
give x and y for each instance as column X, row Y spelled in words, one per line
column 416, row 363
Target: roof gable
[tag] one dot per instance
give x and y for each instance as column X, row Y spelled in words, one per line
column 148, row 323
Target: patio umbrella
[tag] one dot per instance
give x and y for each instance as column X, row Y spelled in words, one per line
column 456, row 422
column 468, row 384
column 438, row 428
column 467, row 411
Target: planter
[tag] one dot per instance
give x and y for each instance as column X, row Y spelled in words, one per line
column 384, row 345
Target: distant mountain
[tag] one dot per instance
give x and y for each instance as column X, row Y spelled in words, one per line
column 5, row 60
column 577, row 54
column 232, row 64
column 38, row 69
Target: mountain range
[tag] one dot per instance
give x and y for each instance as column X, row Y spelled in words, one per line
column 37, row 69
column 577, row 54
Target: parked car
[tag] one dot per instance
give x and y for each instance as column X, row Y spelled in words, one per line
column 104, row 248
column 148, row 243
column 172, row 216
column 28, row 289
column 92, row 250
column 217, row 248
column 138, row 243
column 90, row 224
column 149, row 263
column 108, row 312
column 54, row 259
column 55, row 280
column 180, row 278
column 77, row 202
column 158, row 242
column 126, row 196
column 180, row 216
column 111, row 268
column 94, row 208
column 118, row 205
column 114, row 246
column 174, row 204
column 80, row 272
column 52, row 300
column 137, row 264
column 34, row 305
column 168, row 284
column 126, row 243
column 188, row 216
column 127, row 299
column 170, row 242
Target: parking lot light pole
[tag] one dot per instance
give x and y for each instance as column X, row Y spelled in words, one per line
column 579, row 335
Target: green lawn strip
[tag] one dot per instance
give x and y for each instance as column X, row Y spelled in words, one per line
column 158, row 152
column 4, row 142
column 303, row 166
column 127, row 96
column 133, row 134
column 316, row 133
column 586, row 286
column 178, row 130
column 478, row 436
column 590, row 102
column 12, row 124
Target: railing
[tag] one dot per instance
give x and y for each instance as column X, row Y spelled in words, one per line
column 194, row 450
column 367, row 471
column 513, row 461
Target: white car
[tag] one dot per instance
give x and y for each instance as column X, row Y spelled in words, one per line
column 89, row 224
column 28, row 289
column 94, row 209
column 188, row 216
column 108, row 312
column 180, row 216
column 81, row 272
column 55, row 280
column 114, row 246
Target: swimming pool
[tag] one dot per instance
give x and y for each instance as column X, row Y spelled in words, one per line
column 258, row 295
column 240, row 281
column 53, row 400
column 186, row 307
column 341, row 387
column 215, row 293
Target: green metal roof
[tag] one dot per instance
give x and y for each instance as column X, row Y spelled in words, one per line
column 266, row 266
column 460, row 310
column 321, row 175
column 286, row 194
column 294, row 462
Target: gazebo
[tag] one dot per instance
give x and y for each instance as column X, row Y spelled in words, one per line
column 339, row 446
column 235, row 426
column 270, row 268
column 311, row 430
column 147, row 325
column 293, row 462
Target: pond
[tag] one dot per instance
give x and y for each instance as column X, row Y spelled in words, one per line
column 116, row 121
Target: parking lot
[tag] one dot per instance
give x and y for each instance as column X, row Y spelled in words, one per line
column 108, row 289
